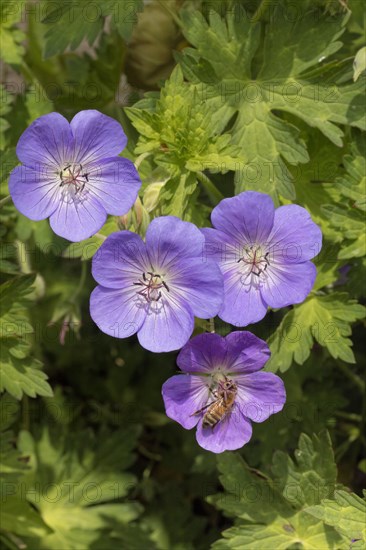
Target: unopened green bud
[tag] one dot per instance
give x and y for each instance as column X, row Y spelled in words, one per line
column 150, row 51
column 151, row 195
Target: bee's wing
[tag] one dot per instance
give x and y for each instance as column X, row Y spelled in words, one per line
column 203, row 408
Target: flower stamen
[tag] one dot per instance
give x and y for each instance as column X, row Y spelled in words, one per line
column 254, row 258
column 152, row 286
column 72, row 174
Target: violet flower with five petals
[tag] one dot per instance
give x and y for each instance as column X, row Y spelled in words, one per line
column 71, row 173
column 263, row 254
column 211, row 363
column 156, row 287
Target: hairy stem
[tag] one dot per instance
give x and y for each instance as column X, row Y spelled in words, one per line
column 81, row 282
column 141, row 158
column 261, row 10
column 357, row 381
column 213, row 193
column 5, row 201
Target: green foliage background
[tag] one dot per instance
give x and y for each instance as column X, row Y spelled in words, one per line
column 216, row 97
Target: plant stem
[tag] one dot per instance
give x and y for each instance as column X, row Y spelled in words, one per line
column 262, row 8
column 5, row 201
column 213, row 193
column 100, row 236
column 211, row 325
column 352, row 376
column 81, row 282
column 349, row 416
column 25, row 413
column 171, row 12
column 141, row 158
column 23, row 257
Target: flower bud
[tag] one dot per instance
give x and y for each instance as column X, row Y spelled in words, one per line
column 150, row 52
column 151, row 195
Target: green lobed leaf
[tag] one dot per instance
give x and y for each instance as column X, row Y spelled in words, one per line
column 347, row 514
column 22, row 375
column 19, row 372
column 16, row 515
column 359, row 63
column 352, row 184
column 182, row 130
column 349, row 216
column 271, row 512
column 69, row 24
column 5, row 107
column 12, row 49
column 176, row 195
column 315, row 182
column 353, row 226
column 80, row 481
column 325, row 319
column 312, row 475
column 280, row 86
column 123, row 14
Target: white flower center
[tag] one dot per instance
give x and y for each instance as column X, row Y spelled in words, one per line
column 254, row 262
column 72, row 175
column 153, row 286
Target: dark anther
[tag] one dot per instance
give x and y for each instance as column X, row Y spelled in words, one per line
column 258, row 262
column 151, row 291
column 79, row 188
column 72, row 174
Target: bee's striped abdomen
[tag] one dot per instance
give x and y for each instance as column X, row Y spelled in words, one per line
column 214, row 414
column 217, row 410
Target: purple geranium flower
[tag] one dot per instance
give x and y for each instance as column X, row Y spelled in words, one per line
column 155, row 288
column 263, row 254
column 222, row 390
column 71, row 173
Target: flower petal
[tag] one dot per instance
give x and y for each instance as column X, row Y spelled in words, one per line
column 287, row 285
column 243, row 303
column 117, row 312
column 294, row 237
column 168, row 325
column 77, row 217
column 168, row 239
column 220, row 247
column 248, row 217
column 183, row 396
column 260, row 395
column 116, row 183
column 239, row 352
column 229, row 434
column 246, row 352
column 48, row 140
column 200, row 283
column 97, row 136
column 203, row 353
column 35, row 193
column 121, row 260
